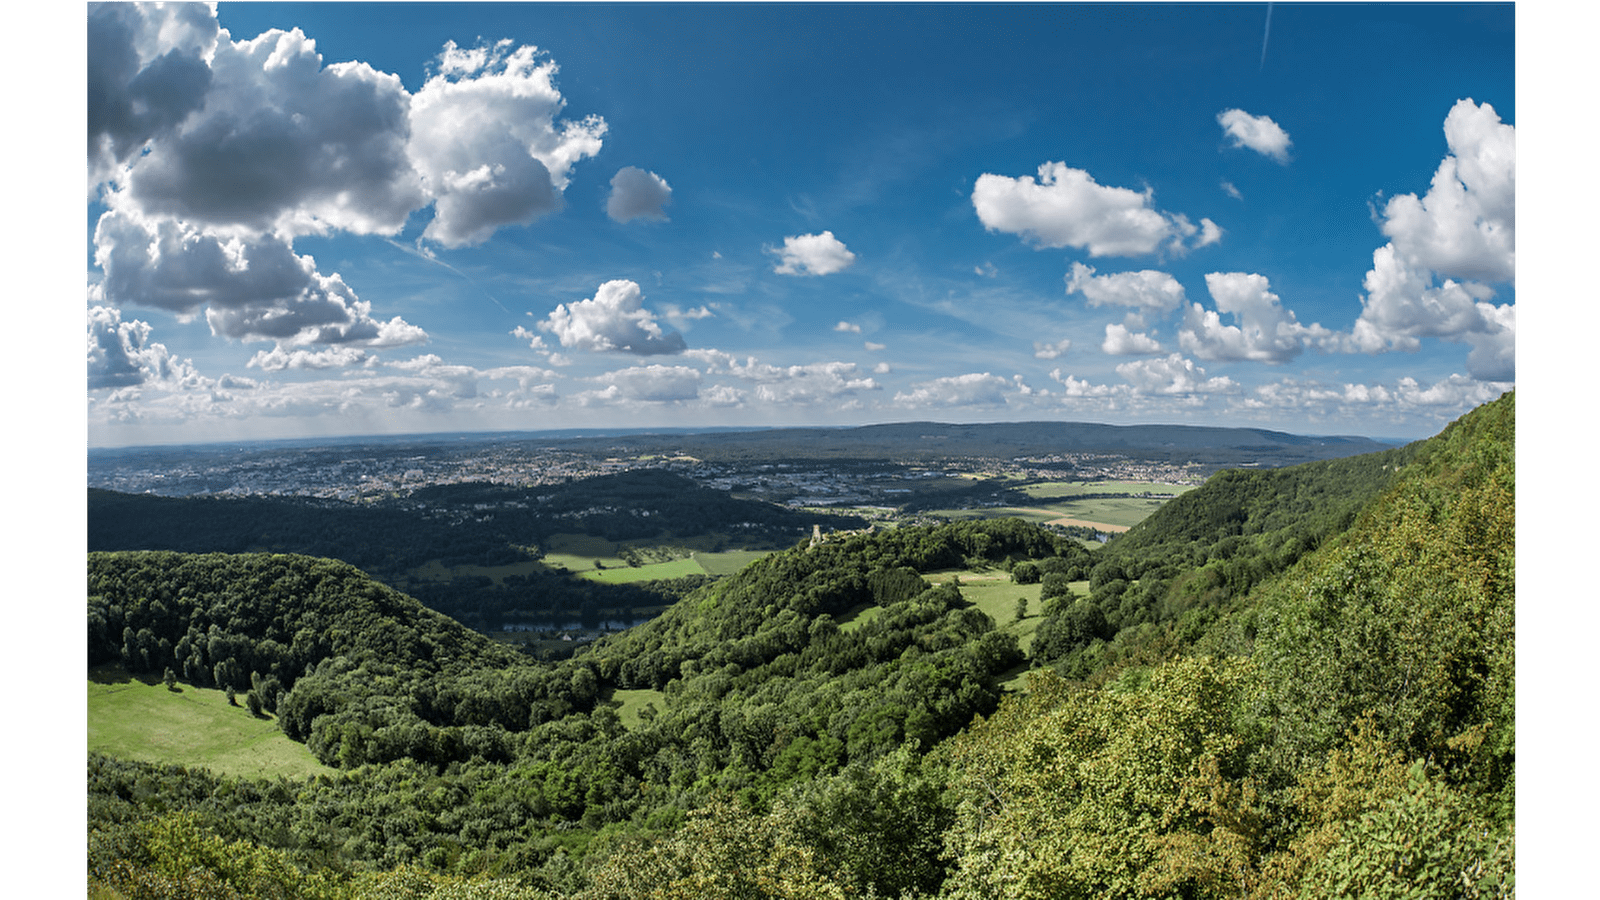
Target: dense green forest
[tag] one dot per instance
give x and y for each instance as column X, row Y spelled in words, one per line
column 1294, row 682
column 472, row 524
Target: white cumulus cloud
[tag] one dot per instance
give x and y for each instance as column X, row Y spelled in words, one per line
column 637, row 194
column 1265, row 331
column 213, row 155
column 277, row 359
column 486, row 140
column 1049, row 350
column 812, row 254
column 1258, row 133
column 1121, row 342
column 1074, row 388
column 652, row 383
column 613, row 320
column 1173, row 374
column 971, row 389
column 121, row 355
column 1065, row 207
column 801, row 384
column 1448, row 250
column 1147, row 290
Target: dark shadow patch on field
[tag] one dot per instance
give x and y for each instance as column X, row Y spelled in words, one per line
column 115, row 674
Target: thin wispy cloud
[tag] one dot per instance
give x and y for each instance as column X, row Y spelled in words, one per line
column 1266, row 33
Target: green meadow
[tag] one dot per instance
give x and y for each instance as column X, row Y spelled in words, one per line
column 676, row 568
column 134, row 719
column 630, row 703
column 641, row 561
column 1077, row 503
column 857, row 618
column 993, row 592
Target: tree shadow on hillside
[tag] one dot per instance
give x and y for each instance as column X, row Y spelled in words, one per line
column 111, row 673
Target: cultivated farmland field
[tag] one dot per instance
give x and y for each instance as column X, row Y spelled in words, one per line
column 133, row 719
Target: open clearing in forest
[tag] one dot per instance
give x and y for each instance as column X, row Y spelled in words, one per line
column 632, row 702
column 728, row 561
column 132, row 718
column 857, row 618
column 993, row 592
column 615, row 562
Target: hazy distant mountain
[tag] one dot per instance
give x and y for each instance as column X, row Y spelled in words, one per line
column 1167, row 443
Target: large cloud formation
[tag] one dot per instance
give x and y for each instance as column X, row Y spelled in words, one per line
column 485, row 139
column 1448, row 249
column 1065, row 207
column 651, row 384
column 614, row 319
column 121, row 355
column 213, row 155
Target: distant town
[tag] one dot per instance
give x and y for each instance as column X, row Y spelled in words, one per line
column 360, row 472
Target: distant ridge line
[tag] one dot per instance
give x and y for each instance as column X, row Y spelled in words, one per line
column 1205, row 444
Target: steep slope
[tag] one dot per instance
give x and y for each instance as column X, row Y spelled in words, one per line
column 1347, row 730
column 1408, row 617
column 1182, row 565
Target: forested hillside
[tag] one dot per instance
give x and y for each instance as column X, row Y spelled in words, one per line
column 1336, row 721
column 1172, row 574
column 472, row 524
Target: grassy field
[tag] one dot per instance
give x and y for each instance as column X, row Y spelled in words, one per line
column 994, row 593
column 676, row 568
column 1072, row 503
column 690, row 556
column 856, row 618
column 191, row 726
column 728, row 561
column 634, row 701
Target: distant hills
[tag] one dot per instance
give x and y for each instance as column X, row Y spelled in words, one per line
column 1206, row 445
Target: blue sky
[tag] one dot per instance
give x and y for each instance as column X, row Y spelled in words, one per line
column 323, row 219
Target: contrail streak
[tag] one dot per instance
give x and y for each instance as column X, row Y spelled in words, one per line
column 1264, row 35
column 422, row 254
